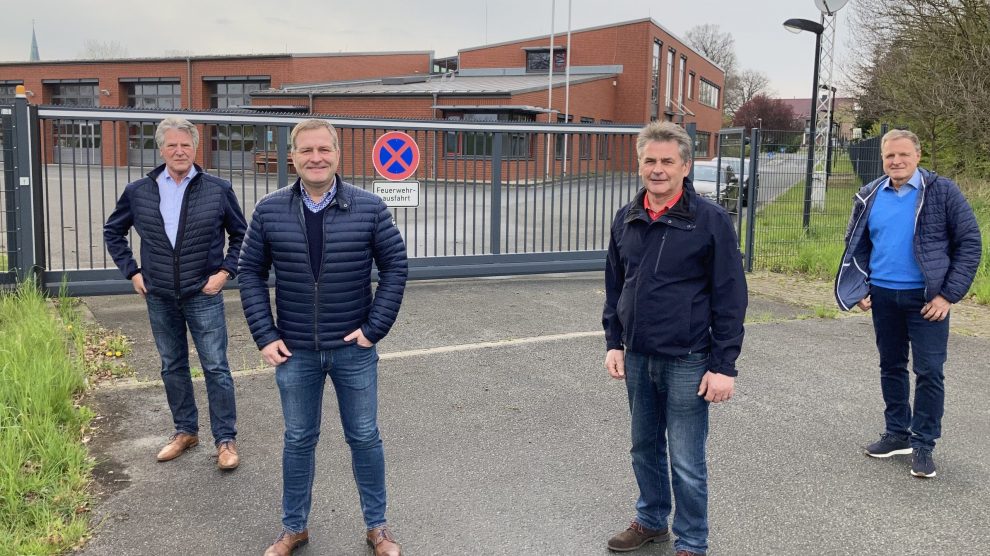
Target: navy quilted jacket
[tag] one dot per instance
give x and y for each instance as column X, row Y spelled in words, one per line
column 209, row 208
column 947, row 242
column 316, row 314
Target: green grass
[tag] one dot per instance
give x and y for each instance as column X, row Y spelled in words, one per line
column 783, row 245
column 44, row 467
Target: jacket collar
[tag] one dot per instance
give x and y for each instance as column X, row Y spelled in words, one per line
column 681, row 215
column 342, row 199
column 161, row 168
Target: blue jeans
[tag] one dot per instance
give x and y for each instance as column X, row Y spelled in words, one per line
column 899, row 325
column 668, row 412
column 204, row 316
column 354, row 373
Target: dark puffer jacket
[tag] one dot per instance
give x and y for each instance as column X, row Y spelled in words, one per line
column 675, row 285
column 947, row 243
column 209, row 208
column 316, row 314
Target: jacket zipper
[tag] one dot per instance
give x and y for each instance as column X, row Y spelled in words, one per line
column 914, row 236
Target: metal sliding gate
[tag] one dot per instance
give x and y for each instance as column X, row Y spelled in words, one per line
column 496, row 198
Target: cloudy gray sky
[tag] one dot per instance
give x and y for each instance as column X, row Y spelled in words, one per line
column 264, row 26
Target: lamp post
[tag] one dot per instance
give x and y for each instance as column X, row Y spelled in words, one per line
column 796, row 26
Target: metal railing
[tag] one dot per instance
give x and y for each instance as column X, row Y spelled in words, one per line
column 495, row 198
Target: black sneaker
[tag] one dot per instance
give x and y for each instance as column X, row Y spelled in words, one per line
column 888, row 445
column 922, row 464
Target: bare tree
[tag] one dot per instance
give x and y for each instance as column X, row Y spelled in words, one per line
column 745, row 85
column 102, row 50
column 715, row 44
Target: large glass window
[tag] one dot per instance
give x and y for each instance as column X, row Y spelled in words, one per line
column 584, row 141
column 480, row 143
column 8, row 92
column 669, row 87
column 76, row 140
column 539, row 60
column 655, row 79
column 604, row 141
column 680, row 84
column 161, row 95
column 702, row 139
column 232, row 145
column 708, row 93
column 690, row 85
column 230, row 94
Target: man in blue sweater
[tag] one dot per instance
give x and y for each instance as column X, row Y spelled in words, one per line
column 321, row 235
column 912, row 250
column 184, row 216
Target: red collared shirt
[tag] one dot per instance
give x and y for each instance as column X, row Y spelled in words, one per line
column 656, row 214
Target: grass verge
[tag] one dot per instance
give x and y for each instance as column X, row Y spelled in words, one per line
column 44, row 466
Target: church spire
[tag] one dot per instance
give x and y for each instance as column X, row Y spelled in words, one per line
column 35, row 57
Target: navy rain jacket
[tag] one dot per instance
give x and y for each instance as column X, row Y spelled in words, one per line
column 947, row 243
column 209, row 208
column 316, row 313
column 676, row 285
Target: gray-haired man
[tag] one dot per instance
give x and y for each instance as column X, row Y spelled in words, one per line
column 184, row 217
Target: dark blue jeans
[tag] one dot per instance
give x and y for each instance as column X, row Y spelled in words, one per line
column 204, row 316
column 899, row 326
column 354, row 373
column 667, row 412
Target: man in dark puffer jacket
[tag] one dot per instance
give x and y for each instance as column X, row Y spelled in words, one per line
column 321, row 236
column 182, row 214
column 912, row 250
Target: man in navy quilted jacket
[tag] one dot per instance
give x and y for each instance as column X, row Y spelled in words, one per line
column 321, row 236
column 912, row 250
column 184, row 217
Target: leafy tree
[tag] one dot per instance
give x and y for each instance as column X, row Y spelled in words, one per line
column 768, row 113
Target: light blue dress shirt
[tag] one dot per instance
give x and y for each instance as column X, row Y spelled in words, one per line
column 171, row 194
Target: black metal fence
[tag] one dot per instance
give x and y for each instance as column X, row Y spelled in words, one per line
column 493, row 199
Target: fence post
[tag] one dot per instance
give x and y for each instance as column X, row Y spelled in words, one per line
column 25, row 229
column 752, row 194
column 496, row 223
column 282, row 152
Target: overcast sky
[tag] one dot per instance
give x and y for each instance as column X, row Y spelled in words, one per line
column 443, row 26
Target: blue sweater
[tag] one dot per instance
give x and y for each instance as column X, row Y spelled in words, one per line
column 891, row 225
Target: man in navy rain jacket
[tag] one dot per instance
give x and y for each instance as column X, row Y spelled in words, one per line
column 321, row 236
column 675, row 302
column 912, row 250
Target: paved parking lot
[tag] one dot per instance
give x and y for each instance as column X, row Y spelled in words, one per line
column 504, row 436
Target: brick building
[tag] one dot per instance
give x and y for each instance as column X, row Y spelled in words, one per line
column 623, row 73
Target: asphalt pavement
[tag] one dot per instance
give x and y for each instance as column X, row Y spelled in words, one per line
column 504, row 436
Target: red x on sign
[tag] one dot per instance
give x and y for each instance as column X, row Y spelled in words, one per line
column 395, row 155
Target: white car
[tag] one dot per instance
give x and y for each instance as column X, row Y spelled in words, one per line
column 705, row 173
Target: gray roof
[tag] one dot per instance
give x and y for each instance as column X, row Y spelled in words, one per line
column 443, row 84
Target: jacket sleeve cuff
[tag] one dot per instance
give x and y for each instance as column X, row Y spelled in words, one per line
column 725, row 370
column 134, row 273
column 614, row 345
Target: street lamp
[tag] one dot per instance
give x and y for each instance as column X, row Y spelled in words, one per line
column 796, row 26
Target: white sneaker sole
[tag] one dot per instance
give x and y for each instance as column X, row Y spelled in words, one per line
column 922, row 475
column 901, row 452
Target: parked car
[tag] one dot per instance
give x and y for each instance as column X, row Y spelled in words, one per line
column 705, row 173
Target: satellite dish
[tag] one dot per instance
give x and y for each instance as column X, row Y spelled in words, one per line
column 829, row 7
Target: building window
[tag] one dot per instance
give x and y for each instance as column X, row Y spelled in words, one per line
column 701, row 141
column 232, row 94
column 481, row 143
column 8, row 92
column 158, row 94
column 604, row 141
column 708, row 93
column 584, row 141
column 669, row 87
column 71, row 94
column 680, row 85
column 690, row 85
column 76, row 140
column 539, row 60
column 655, row 80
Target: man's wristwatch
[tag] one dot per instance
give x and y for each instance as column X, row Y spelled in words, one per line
column 230, row 275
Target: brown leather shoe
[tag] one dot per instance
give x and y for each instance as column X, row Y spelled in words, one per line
column 287, row 542
column 179, row 443
column 636, row 536
column 381, row 539
column 227, row 457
